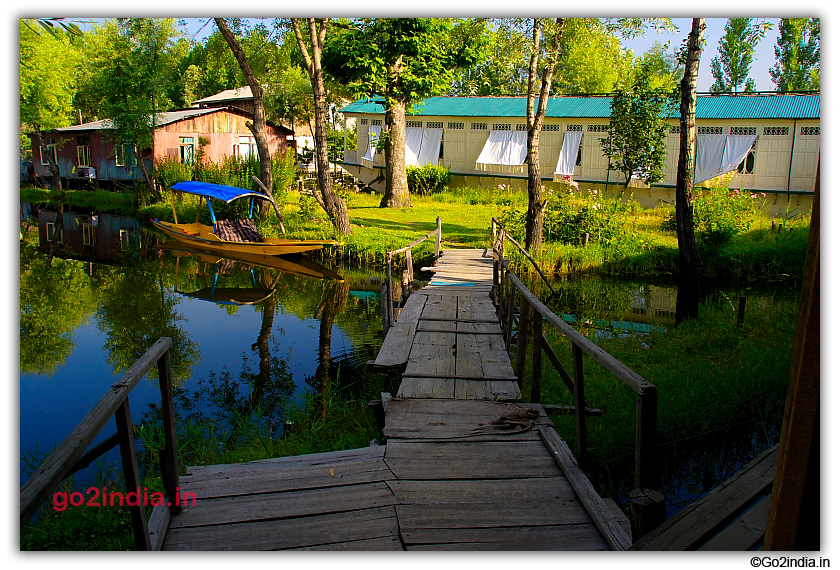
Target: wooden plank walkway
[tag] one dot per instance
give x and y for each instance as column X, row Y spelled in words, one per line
column 466, row 467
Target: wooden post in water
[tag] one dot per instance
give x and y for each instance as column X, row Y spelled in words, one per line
column 390, row 289
column 410, row 269
column 522, row 339
column 647, row 506
column 580, row 404
column 131, row 473
column 383, row 301
column 536, row 359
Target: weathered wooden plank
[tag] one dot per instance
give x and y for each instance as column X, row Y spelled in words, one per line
column 446, row 419
column 413, row 309
column 557, row 537
column 615, row 536
column 470, row 460
column 745, row 533
column 396, row 346
column 367, row 544
column 249, row 508
column 494, row 491
column 697, row 523
column 288, row 533
column 619, row 515
column 158, row 524
column 426, row 388
column 311, row 460
column 505, row 513
column 487, row 390
column 211, row 485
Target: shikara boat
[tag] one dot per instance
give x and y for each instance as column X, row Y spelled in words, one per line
column 230, row 236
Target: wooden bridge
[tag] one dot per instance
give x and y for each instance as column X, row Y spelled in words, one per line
column 466, row 466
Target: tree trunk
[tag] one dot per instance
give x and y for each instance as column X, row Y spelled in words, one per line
column 333, row 204
column 396, row 181
column 149, row 182
column 257, row 127
column 57, row 187
column 690, row 263
column 536, row 115
column 334, row 302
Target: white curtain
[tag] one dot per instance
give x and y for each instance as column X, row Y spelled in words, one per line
column 373, row 135
column 430, row 148
column 568, row 154
column 504, row 147
column 737, row 148
column 709, row 156
column 413, row 144
column 719, row 154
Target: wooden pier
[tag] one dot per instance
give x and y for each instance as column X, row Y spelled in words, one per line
column 466, row 466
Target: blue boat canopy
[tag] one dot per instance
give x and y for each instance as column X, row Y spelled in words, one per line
column 218, row 191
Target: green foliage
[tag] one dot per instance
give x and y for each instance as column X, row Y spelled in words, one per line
column 428, row 179
column 591, row 58
column 797, row 66
column 501, row 69
column 731, row 68
column 721, row 214
column 635, row 143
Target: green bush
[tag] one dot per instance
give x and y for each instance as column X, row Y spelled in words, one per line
column 428, row 179
column 721, row 214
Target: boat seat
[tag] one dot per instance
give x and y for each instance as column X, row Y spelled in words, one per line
column 238, row 230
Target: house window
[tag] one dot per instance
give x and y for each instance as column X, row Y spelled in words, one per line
column 82, row 151
column 579, row 157
column 501, row 126
column 246, row 146
column 414, row 124
column 710, row 130
column 125, row 236
column 376, row 122
column 747, row 165
column 88, row 234
column 364, row 121
column 456, row 126
column 50, row 227
column 50, row 148
column 742, row 130
column 777, row 131
column 806, row 131
column 521, row 127
column 578, row 128
column 479, row 126
column 675, row 129
column 597, row 128
column 434, row 124
column 125, row 155
column 187, row 150
column 551, row 128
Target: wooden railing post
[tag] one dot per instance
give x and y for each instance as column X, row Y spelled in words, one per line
column 536, row 359
column 169, row 457
column 647, row 506
column 495, row 262
column 383, row 301
column 410, row 269
column 438, row 239
column 131, row 473
column 580, row 403
column 390, row 289
column 511, row 297
column 522, row 339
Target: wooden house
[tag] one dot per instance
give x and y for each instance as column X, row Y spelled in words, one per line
column 88, row 152
column 776, row 138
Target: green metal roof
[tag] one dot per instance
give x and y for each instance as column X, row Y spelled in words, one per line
column 764, row 106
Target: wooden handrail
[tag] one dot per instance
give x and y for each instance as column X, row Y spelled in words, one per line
column 505, row 235
column 437, row 233
column 61, row 463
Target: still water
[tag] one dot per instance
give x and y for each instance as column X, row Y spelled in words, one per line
column 93, row 304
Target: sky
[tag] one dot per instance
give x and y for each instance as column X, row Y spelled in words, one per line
column 763, row 60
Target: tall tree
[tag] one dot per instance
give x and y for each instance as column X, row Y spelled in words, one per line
column 543, row 61
column 731, row 68
column 690, row 263
column 501, row 68
column 48, row 64
column 797, row 50
column 635, row 141
column 591, row 58
column 331, row 202
column 403, row 61
column 257, row 126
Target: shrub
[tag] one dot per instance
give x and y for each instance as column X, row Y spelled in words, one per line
column 428, row 179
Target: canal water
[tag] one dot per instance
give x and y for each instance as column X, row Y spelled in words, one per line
column 97, row 297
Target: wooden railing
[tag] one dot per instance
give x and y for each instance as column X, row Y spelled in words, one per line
column 70, row 456
column 647, row 510
column 387, row 297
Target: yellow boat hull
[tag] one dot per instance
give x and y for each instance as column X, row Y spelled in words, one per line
column 203, row 236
